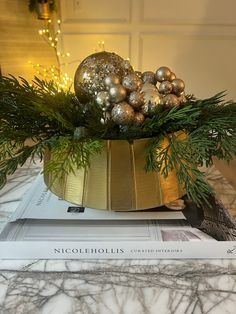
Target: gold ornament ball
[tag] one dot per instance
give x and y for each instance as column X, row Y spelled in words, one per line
column 165, row 87
column 178, row 86
column 138, row 118
column 172, row 76
column 122, row 113
column 117, row 93
column 90, row 74
column 163, row 74
column 147, row 86
column 131, row 82
column 149, row 77
column 170, row 100
column 182, row 98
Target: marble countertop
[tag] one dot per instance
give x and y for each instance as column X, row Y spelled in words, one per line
column 114, row 286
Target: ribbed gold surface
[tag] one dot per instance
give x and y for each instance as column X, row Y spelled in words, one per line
column 116, row 180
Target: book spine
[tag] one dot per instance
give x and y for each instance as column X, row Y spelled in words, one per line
column 117, row 250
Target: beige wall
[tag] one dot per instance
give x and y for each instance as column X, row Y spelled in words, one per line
column 197, row 39
column 19, row 40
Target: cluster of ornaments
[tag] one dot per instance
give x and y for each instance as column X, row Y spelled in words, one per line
column 130, row 98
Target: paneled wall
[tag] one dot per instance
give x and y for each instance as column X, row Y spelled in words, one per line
column 197, row 39
column 20, row 41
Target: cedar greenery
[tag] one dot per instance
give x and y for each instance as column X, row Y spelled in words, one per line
column 72, row 131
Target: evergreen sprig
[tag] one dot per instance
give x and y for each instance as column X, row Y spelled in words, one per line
column 73, row 132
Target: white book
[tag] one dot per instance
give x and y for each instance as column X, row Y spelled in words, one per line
column 42, row 227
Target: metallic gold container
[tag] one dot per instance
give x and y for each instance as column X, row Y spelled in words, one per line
column 116, row 180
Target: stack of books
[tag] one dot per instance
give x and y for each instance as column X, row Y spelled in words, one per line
column 44, row 226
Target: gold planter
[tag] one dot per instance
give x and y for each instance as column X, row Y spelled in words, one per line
column 116, row 180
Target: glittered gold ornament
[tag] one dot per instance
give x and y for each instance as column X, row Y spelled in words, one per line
column 122, row 113
column 170, row 100
column 149, row 77
column 117, row 93
column 111, row 79
column 165, row 87
column 178, row 86
column 90, row 75
column 138, row 118
column 163, row 74
column 131, row 82
column 135, row 99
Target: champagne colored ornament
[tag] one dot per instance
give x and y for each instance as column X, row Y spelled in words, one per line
column 170, row 100
column 111, row 79
column 149, row 77
column 117, row 93
column 122, row 113
column 172, row 76
column 182, row 98
column 90, row 75
column 165, row 87
column 151, row 100
column 178, row 86
column 138, row 118
column 148, row 86
column 102, row 98
column 131, row 82
column 163, row 74
column 135, row 99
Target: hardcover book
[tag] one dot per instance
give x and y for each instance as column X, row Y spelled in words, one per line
column 44, row 226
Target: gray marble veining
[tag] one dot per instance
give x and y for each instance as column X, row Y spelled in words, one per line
column 113, row 286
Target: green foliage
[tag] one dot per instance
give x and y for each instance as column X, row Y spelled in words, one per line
column 73, row 132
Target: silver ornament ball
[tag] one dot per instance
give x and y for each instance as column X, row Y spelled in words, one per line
column 149, row 77
column 178, row 86
column 122, row 113
column 163, row 74
column 117, row 93
column 151, row 100
column 165, row 87
column 135, row 99
column 111, row 79
column 102, row 97
column 131, row 82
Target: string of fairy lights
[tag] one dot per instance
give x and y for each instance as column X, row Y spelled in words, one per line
column 51, row 37
column 52, row 72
